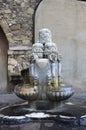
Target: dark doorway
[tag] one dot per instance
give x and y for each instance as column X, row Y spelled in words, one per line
column 3, row 61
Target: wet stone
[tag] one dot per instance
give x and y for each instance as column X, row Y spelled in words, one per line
column 83, row 121
column 71, row 115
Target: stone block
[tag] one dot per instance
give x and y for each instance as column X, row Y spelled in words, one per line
column 10, row 52
column 30, row 11
column 7, row 11
column 4, row 25
column 18, row 1
column 25, row 41
column 15, row 27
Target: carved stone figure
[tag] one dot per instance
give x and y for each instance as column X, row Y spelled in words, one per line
column 45, row 36
column 37, row 49
column 44, row 73
column 45, row 64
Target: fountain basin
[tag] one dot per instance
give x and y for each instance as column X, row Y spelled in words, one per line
column 54, row 96
column 70, row 116
column 30, row 93
column 26, row 92
column 61, row 93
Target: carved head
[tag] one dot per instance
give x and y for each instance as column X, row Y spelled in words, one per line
column 50, row 48
column 37, row 49
column 45, row 36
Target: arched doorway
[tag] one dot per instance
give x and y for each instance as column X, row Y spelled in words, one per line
column 3, row 61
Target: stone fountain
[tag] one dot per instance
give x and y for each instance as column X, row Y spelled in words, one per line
column 44, row 89
column 45, row 94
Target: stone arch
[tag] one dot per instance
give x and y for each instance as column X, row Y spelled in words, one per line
column 34, row 14
column 5, row 28
column 3, row 62
column 65, row 19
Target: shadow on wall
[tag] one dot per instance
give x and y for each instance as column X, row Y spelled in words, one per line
column 3, row 62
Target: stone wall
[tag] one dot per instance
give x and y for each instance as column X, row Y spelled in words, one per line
column 18, row 59
column 17, row 22
column 67, row 22
column 16, row 19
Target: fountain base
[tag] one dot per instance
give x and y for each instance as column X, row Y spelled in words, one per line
column 53, row 96
column 70, row 115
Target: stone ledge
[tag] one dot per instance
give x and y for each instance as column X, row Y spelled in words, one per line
column 20, row 48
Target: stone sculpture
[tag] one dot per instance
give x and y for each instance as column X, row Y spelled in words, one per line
column 44, row 74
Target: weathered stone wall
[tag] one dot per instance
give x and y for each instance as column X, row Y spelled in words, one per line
column 18, row 59
column 16, row 19
column 17, row 22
